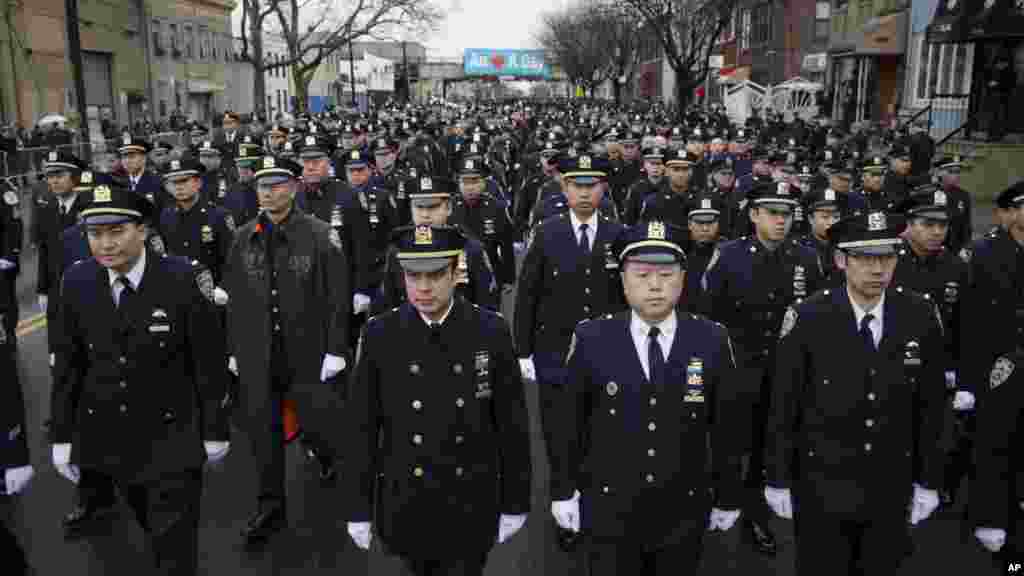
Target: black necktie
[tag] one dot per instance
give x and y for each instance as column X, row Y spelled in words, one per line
column 584, row 241
column 655, row 358
column 865, row 332
column 127, row 291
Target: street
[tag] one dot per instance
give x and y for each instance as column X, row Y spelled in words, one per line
column 316, row 541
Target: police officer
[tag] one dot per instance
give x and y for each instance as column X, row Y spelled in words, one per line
column 704, row 221
column 55, row 212
column 455, row 454
column 723, row 183
column 670, row 204
column 635, row 425
column 960, row 225
column 996, row 510
column 128, row 316
column 133, row 151
column 241, row 202
column 215, row 179
column 193, row 228
column 749, row 287
column 288, row 331
column 277, row 135
column 486, row 217
column 873, row 174
column 230, row 135
column 375, row 209
column 542, row 183
column 10, row 254
column 474, row 274
column 858, row 389
column 899, row 180
column 654, row 170
column 824, row 207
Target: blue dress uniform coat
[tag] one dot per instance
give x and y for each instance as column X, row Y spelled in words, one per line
column 489, row 221
column 667, row 206
column 215, row 185
column 105, row 403
column 10, row 250
column 633, row 203
column 840, row 414
column 475, row 280
column 335, row 203
column 638, row 452
column 439, row 425
column 151, row 187
column 203, row 233
column 308, row 307
column 50, row 225
column 242, row 203
column 992, row 307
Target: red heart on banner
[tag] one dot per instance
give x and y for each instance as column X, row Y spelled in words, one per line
column 498, row 61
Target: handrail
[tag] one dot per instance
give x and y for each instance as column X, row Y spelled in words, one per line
column 917, row 114
column 948, row 137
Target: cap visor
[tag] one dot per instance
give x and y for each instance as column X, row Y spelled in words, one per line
column 424, row 264
column 880, row 250
column 313, row 154
column 659, row 257
column 940, row 215
column 704, row 217
column 585, row 179
column 101, row 219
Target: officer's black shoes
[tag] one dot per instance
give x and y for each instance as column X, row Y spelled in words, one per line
column 81, row 518
column 269, row 520
column 760, row 536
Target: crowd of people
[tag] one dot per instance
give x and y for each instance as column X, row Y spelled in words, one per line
column 724, row 322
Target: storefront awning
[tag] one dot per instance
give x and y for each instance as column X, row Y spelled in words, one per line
column 958, row 21
column 885, row 35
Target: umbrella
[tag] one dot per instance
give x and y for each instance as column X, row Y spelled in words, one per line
column 51, row 119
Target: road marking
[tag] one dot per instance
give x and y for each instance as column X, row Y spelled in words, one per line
column 30, row 325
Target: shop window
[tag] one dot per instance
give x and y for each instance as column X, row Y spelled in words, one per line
column 745, row 30
column 942, row 69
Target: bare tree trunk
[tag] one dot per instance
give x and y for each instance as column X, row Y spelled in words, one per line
column 256, row 49
column 682, row 93
column 302, row 82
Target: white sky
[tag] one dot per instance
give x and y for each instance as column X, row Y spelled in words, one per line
column 479, row 24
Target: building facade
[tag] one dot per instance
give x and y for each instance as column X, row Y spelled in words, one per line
column 35, row 70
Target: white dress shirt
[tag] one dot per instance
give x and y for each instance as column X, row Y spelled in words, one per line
column 440, row 322
column 134, row 275
column 640, row 329
column 591, row 228
column 66, row 204
column 875, row 325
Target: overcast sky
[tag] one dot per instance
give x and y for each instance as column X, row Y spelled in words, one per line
column 479, row 24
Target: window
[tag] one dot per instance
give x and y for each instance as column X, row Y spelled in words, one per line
column 942, row 69
column 158, row 44
column 763, row 27
column 822, row 13
column 189, row 40
column 745, row 31
column 175, row 41
column 201, row 48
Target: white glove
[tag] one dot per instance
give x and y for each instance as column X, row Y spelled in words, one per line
column 53, row 359
column 950, row 380
column 62, row 462
column 567, row 512
column 780, row 500
column 216, row 451
column 5, row 264
column 360, row 303
column 517, row 247
column 43, row 299
column 963, row 400
column 723, row 519
column 233, row 365
column 360, row 533
column 331, row 367
column 991, row 538
column 527, row 369
column 923, row 504
column 508, row 525
column 16, row 479
column 220, row 297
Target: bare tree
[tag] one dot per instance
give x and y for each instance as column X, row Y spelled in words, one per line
column 580, row 41
column 687, row 31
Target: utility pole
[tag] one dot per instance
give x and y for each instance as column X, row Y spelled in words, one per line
column 351, row 72
column 75, row 54
column 405, row 74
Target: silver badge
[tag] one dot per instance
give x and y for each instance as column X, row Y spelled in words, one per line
column 612, row 388
column 156, row 243
column 1001, row 372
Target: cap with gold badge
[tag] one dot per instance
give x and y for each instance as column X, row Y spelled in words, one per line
column 870, row 233
column 427, row 248
column 653, row 242
column 113, row 204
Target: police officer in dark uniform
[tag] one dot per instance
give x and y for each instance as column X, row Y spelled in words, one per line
column 544, row 182
column 992, row 306
column 873, row 174
column 193, row 228
column 653, row 182
column 623, row 471
column 379, row 215
column 55, row 212
column 216, row 179
column 899, row 180
column 474, row 274
column 749, row 287
column 128, row 316
column 10, row 254
column 824, row 207
column 447, row 464
column 486, row 217
column 723, row 183
column 858, row 390
column 133, row 152
column 288, row 331
column 15, row 465
column 241, row 202
column 670, row 204
column 996, row 509
column 960, row 225
column 704, row 220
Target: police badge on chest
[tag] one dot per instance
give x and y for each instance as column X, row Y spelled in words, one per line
column 799, row 282
column 694, row 381
column 158, row 322
column 489, row 229
column 610, row 261
column 481, row 363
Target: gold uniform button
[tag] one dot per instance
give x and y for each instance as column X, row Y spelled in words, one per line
column 604, row 489
column 652, row 426
column 871, row 396
column 458, row 471
column 417, row 439
column 186, row 244
column 123, row 384
column 417, row 472
column 586, row 309
column 123, row 408
column 123, row 360
column 612, row 411
column 867, row 446
column 459, row 439
column 416, row 404
column 460, row 402
column 273, row 292
column 650, row 452
column 653, row 401
column 457, row 369
column 649, row 478
column 869, row 422
column 693, row 415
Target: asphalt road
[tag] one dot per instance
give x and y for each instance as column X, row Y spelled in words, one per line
column 316, row 541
